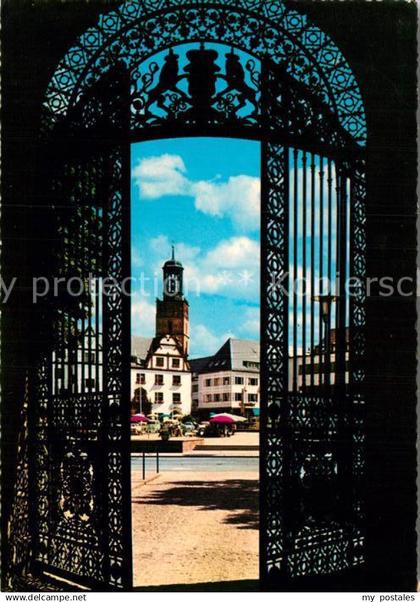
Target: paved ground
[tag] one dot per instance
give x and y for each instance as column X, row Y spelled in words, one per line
column 196, row 528
column 238, row 439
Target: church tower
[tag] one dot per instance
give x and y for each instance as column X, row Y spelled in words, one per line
column 172, row 311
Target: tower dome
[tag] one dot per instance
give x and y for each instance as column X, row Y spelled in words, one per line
column 172, row 278
column 172, row 262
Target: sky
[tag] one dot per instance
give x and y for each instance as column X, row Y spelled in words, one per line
column 203, row 196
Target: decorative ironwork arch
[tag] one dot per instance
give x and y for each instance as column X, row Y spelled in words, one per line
column 138, row 29
column 301, row 101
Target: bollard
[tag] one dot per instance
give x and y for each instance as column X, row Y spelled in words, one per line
column 157, row 461
column 144, row 466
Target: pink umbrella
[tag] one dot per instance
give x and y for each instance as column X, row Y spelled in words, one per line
column 222, row 420
column 139, row 418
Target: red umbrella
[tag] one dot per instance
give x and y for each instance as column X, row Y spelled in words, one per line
column 139, row 418
column 222, row 419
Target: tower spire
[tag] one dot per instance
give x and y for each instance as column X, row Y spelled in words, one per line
column 172, row 310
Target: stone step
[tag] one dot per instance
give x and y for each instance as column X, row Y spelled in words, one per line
column 222, row 447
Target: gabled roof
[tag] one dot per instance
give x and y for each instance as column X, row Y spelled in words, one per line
column 199, row 364
column 235, row 354
column 243, row 350
column 156, row 342
column 140, row 346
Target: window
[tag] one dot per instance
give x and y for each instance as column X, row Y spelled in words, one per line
column 217, row 397
column 140, row 379
column 159, row 379
column 238, row 396
column 252, row 365
column 239, row 380
column 195, row 388
column 226, row 396
column 216, row 382
column 137, row 395
column 158, row 397
column 208, row 397
column 176, row 380
column 226, row 380
column 89, row 357
column 175, row 362
column 253, row 397
column 253, row 382
column 208, row 382
column 89, row 383
column 160, row 361
column 176, row 397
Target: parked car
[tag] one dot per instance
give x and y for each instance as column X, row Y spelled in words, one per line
column 153, row 426
column 202, row 428
column 188, row 427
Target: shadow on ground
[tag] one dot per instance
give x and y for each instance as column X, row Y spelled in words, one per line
column 241, row 496
column 245, row 585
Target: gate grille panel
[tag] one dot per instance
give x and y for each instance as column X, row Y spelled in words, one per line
column 81, row 436
column 309, row 116
column 312, row 372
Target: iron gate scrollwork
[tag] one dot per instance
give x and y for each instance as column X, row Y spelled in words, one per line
column 273, row 76
column 312, row 401
column 312, row 456
column 81, row 437
column 137, row 30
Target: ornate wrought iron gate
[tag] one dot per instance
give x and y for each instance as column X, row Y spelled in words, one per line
column 312, row 369
column 81, row 440
column 301, row 102
column 312, row 307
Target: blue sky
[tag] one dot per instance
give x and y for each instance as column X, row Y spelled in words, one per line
column 204, row 195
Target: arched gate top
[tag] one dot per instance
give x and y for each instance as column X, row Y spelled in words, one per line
column 261, row 27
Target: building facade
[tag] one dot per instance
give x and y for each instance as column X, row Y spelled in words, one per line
column 229, row 381
column 317, row 368
column 160, row 370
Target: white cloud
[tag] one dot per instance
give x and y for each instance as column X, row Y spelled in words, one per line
column 204, row 342
column 161, row 175
column 136, row 258
column 230, row 268
column 161, row 245
column 143, row 317
column 238, row 252
column 237, row 199
column 251, row 323
column 235, row 267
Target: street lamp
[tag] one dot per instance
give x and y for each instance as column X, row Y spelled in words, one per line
column 244, row 390
column 325, row 302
